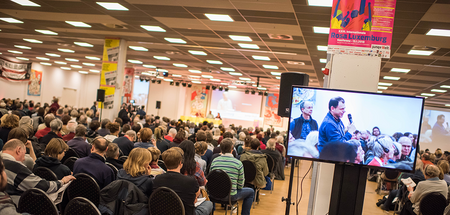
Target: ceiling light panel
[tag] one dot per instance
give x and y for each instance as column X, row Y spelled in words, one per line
column 45, row 63
column 384, row 84
column 227, row 69
column 92, row 58
column 207, row 76
column 42, row 58
column 438, row 90
column 66, row 50
column 72, row 59
column 11, row 20
column 245, row 79
column 153, row 28
column 88, row 64
column 83, row 72
column 391, row 78
column 26, row 3
column 60, row 62
column 235, row 73
column 321, row 30
column 276, row 73
column 322, row 48
column 94, row 71
column 320, row 3
column 439, row 32
column 23, row 58
column 420, row 52
column 22, row 47
column 197, row 52
column 265, row 58
column 15, row 52
column 161, row 58
column 78, row 24
column 83, row 44
column 240, row 38
column 32, row 40
column 400, row 70
column 76, row 66
column 149, row 66
column 52, row 55
column 248, row 46
column 428, row 94
column 180, row 65
column 66, row 68
column 48, row 32
column 195, row 71
column 112, row 6
column 135, row 61
column 219, row 17
column 138, row 48
column 270, row 67
column 214, row 62
column 175, row 40
column 323, row 60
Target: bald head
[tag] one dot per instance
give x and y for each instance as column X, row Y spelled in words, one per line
column 99, row 145
column 406, row 145
column 15, row 148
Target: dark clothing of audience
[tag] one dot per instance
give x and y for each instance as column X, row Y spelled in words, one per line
column 143, row 182
column 54, row 165
column 162, row 145
column 46, row 139
column 4, row 132
column 185, row 186
column 208, row 157
column 123, row 114
column 94, row 165
column 103, row 132
column 92, row 134
column 143, row 145
column 125, row 145
column 82, row 148
column 117, row 163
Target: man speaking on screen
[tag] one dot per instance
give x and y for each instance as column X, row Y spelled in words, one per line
column 332, row 129
column 225, row 103
column 303, row 125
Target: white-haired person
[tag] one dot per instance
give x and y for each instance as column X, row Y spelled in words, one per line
column 278, row 169
column 71, row 126
column 383, row 150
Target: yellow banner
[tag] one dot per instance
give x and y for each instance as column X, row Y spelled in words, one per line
column 109, row 97
column 109, row 74
column 111, row 50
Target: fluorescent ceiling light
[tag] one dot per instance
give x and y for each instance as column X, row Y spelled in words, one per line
column 447, row 105
column 138, row 48
column 382, row 88
column 162, row 70
column 180, row 65
column 22, row 47
column 420, row 52
column 76, row 66
column 78, row 24
column 320, row 3
column 88, row 64
column 176, row 75
column 400, row 70
column 321, row 30
column 240, row 38
column 228, row 69
column 23, row 58
column 323, row 60
column 439, row 32
column 175, row 40
column 248, row 46
column 83, row 72
column 384, row 84
column 26, row 3
column 262, row 88
column 45, row 63
column 167, row 79
column 94, row 71
column 194, row 76
column 60, row 62
column 83, row 44
column 32, row 40
column 112, row 6
column 232, row 87
column 135, row 61
column 11, row 20
column 161, row 57
column 207, row 76
column 92, row 58
column 160, row 77
column 197, row 52
column 42, row 58
column 149, row 66
column 428, row 94
column 438, row 91
column 270, row 67
column 46, row 32
column 235, row 73
column 245, row 79
column 322, row 48
column 72, row 59
column 278, row 77
column 195, row 71
column 391, row 78
column 379, row 91
column 53, row 55
column 214, row 62
column 256, row 57
column 66, row 50
column 224, row 83
column 146, row 73
column 445, row 86
column 214, row 79
column 196, row 82
column 219, row 17
column 276, row 73
column 66, row 68
column 153, row 28
column 15, row 52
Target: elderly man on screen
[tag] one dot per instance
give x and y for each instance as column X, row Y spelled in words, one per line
column 303, row 125
column 406, row 149
column 332, row 129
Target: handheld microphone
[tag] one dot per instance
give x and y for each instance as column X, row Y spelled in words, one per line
column 350, row 118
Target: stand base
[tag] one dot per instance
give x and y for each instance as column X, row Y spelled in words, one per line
column 349, row 186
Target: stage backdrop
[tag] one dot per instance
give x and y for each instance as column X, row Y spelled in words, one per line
column 270, row 110
column 199, row 101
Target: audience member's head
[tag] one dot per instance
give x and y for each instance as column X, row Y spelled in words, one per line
column 226, row 146
column 56, row 125
column 406, row 145
column 113, row 151
column 94, row 125
column 200, row 147
column 99, row 145
column 209, row 137
column 10, row 121
column 71, row 126
column 242, row 136
column 431, row 171
column 136, row 127
column 189, row 163
column 126, row 128
column 119, row 120
column 438, row 152
column 201, row 135
column 131, row 135
column 254, row 145
column 172, row 158
column 444, row 167
column 271, row 143
column 114, row 128
column 3, row 177
column 158, row 134
column 15, row 148
column 138, row 162
column 105, row 122
column 145, row 134
column 181, row 135
column 80, row 131
column 173, row 132
column 65, row 119
column 18, row 133
column 155, row 154
column 56, row 148
column 26, row 120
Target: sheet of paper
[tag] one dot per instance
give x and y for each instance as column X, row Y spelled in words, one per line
column 57, row 196
column 408, row 182
column 199, row 201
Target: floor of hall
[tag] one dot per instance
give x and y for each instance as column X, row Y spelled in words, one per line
column 271, row 203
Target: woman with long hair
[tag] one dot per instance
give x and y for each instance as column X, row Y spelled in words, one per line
column 161, row 143
column 137, row 170
column 190, row 166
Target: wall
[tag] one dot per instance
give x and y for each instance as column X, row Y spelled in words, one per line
column 54, row 80
column 172, row 100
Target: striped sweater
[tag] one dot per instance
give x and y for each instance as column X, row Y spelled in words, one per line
column 233, row 167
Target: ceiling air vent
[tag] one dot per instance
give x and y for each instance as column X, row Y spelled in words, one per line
column 296, row 63
column 280, row 36
column 115, row 26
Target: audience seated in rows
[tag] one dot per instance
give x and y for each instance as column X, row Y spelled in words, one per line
column 22, row 135
column 104, row 130
column 190, row 166
column 55, row 132
column 9, row 121
column 156, row 169
column 126, row 143
column 147, row 141
column 137, row 170
column 161, row 143
column 112, row 156
column 71, row 126
column 53, row 154
column 114, row 129
column 47, row 120
column 78, row 143
column 7, row 205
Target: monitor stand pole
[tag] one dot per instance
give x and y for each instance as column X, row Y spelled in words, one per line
column 349, row 186
column 291, row 180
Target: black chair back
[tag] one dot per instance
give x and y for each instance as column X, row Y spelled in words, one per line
column 391, row 174
column 249, row 171
column 162, row 165
column 84, row 186
column 45, row 173
column 164, row 201
column 219, row 184
column 433, row 203
column 114, row 169
column 70, row 162
column 270, row 163
column 123, row 158
column 35, row 201
column 80, row 205
column 70, row 153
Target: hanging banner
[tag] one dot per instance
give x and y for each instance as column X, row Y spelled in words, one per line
column 14, row 71
column 199, row 101
column 111, row 49
column 128, row 83
column 34, row 85
column 362, row 27
column 108, row 76
column 270, row 110
column 109, row 97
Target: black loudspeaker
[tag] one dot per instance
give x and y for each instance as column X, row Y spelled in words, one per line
column 158, row 104
column 287, row 80
column 100, row 95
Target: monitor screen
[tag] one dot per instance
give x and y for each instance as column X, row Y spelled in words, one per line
column 361, row 128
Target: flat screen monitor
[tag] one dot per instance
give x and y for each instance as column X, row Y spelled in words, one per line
column 359, row 128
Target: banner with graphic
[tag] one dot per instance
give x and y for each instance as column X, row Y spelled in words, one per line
column 111, row 49
column 270, row 110
column 14, row 71
column 109, row 97
column 199, row 100
column 362, row 27
column 34, row 85
column 108, row 76
column 128, row 83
